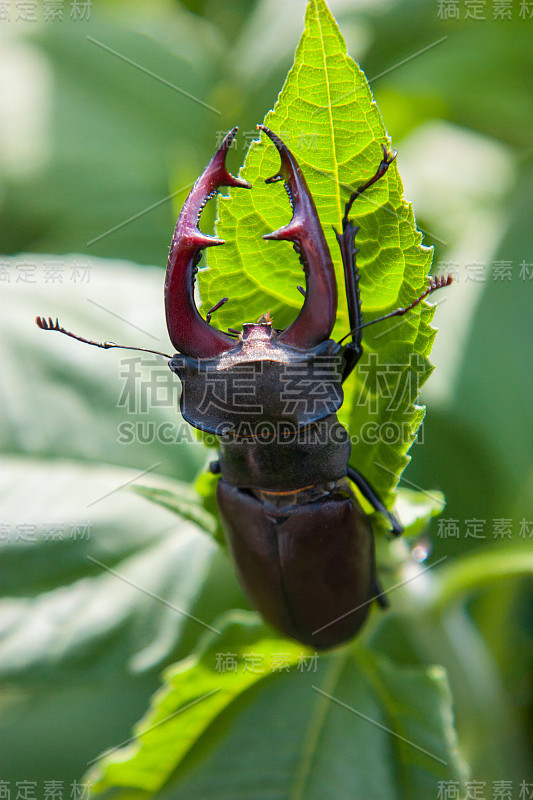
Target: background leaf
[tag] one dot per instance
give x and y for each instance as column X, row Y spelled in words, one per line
column 332, row 700
column 326, row 115
column 63, row 399
column 100, row 590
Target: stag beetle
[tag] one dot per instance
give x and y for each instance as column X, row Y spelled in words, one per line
column 301, row 542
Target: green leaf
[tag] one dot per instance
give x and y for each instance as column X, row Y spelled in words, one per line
column 347, row 724
column 509, row 442
column 195, row 692
column 76, row 530
column 478, row 570
column 206, row 486
column 415, row 509
column 100, row 590
column 326, row 115
column 199, row 507
column 63, row 399
column 109, row 133
column 181, row 501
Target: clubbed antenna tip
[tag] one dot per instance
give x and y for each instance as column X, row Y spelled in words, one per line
column 434, row 284
column 49, row 325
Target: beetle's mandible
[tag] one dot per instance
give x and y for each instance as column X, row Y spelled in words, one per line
column 301, row 542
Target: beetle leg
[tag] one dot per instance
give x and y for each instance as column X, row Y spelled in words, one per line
column 353, row 351
column 385, row 163
column 316, row 319
column 373, row 498
column 380, row 598
column 189, row 332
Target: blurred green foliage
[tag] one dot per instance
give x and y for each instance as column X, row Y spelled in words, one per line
column 89, row 142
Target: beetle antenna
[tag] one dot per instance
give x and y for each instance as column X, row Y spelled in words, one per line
column 50, row 325
column 435, row 283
